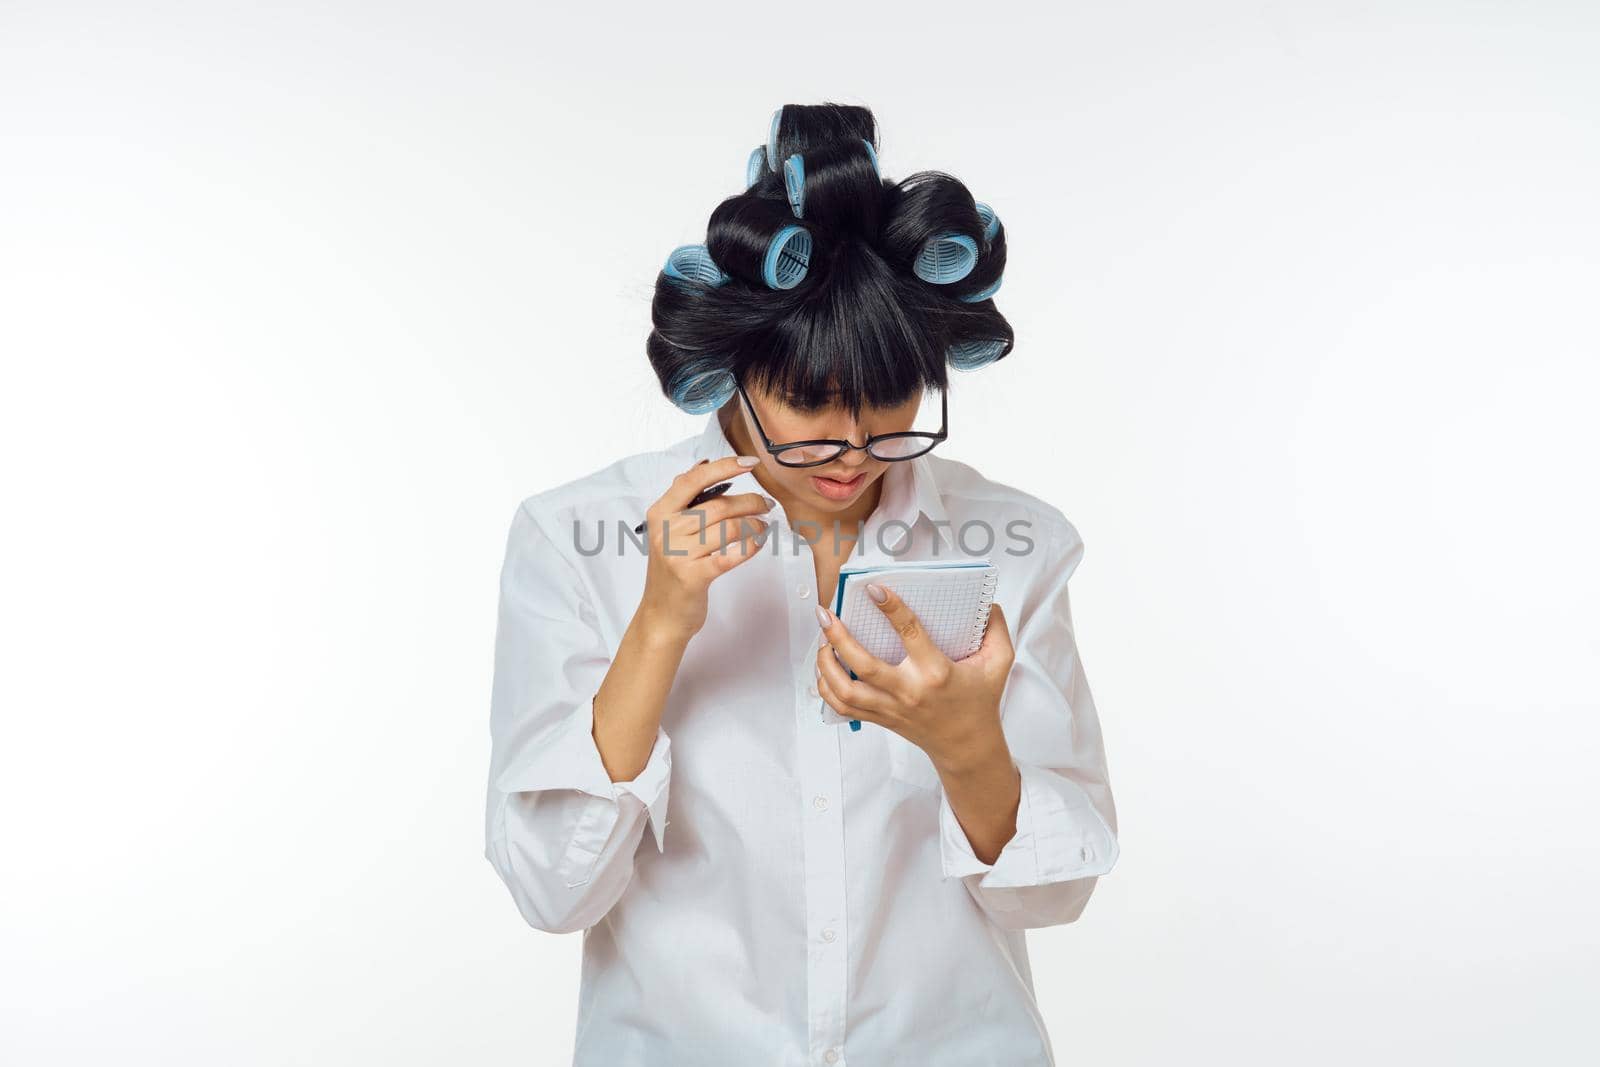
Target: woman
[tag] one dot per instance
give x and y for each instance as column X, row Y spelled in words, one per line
column 824, row 895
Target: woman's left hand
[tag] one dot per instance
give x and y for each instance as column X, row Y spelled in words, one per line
column 948, row 708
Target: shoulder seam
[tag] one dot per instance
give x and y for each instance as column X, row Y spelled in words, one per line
column 555, row 549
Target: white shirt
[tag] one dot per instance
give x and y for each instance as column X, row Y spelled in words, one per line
column 807, row 895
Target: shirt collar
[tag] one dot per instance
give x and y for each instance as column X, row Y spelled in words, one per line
column 713, row 443
column 910, row 493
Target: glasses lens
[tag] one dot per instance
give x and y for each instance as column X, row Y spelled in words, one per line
column 902, row 447
column 804, row 455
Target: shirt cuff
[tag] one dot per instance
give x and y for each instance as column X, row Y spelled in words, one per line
column 650, row 786
column 1060, row 836
column 570, row 759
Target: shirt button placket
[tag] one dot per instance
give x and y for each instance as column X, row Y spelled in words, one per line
column 820, row 769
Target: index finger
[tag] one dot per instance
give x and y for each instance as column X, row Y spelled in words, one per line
column 919, row 644
column 702, row 475
column 863, row 664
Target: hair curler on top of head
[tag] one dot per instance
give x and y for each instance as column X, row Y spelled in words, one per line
column 824, row 273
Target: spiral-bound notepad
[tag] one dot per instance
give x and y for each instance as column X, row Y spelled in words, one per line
column 951, row 597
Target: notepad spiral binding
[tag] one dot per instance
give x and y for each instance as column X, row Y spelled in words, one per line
column 981, row 623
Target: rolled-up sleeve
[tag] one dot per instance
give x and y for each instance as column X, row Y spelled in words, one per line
column 559, row 832
column 1066, row 834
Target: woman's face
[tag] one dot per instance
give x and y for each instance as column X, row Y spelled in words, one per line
column 841, row 482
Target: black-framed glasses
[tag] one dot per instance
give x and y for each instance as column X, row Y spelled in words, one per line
column 889, row 447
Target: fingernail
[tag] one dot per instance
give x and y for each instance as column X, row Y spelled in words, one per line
column 748, row 461
column 824, row 617
column 771, row 503
column 877, row 592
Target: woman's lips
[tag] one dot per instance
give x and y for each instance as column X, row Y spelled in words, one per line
column 834, row 489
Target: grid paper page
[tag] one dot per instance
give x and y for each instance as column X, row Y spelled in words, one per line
column 950, row 597
column 952, row 604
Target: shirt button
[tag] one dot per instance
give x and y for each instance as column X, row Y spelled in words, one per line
column 832, row 1055
column 827, row 935
column 811, row 691
column 1086, row 852
column 804, row 591
column 820, row 803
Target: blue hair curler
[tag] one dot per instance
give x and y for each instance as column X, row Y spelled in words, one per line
column 991, row 221
column 752, row 166
column 873, row 153
column 947, row 258
column 693, row 263
column 697, row 389
column 794, row 181
column 984, row 293
column 970, row 355
column 772, row 141
column 788, row 258
column 991, row 227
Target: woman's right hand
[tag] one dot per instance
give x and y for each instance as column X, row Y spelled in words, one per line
column 689, row 549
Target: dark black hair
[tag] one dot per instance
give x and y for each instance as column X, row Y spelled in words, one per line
column 860, row 319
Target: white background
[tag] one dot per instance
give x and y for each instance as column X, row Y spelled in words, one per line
column 298, row 301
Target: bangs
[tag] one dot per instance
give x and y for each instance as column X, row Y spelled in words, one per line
column 865, row 340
